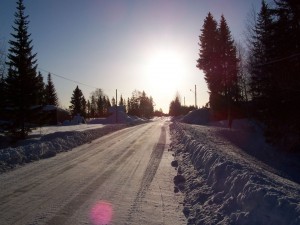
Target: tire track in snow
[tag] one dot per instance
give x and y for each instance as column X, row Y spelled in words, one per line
column 148, row 176
column 73, row 160
column 70, row 208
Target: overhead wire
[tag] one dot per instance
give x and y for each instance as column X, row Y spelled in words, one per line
column 68, row 79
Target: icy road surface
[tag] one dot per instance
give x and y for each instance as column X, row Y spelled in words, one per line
column 127, row 171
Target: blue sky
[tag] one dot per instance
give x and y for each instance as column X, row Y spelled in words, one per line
column 125, row 45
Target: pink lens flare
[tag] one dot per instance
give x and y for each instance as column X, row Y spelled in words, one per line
column 101, row 213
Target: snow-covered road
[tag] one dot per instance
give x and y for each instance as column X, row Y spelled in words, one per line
column 126, row 173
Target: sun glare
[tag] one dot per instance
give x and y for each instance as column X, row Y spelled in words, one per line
column 164, row 71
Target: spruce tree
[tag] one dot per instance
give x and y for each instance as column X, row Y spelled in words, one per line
column 78, row 103
column 41, row 91
column 218, row 60
column 228, row 67
column 261, row 46
column 88, row 109
column 93, row 106
column 50, row 92
column 209, row 56
column 23, row 86
column 284, row 125
column 2, row 97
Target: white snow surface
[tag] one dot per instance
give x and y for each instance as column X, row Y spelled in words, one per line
column 45, row 142
column 232, row 176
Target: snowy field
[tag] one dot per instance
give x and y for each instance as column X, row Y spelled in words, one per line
column 233, row 176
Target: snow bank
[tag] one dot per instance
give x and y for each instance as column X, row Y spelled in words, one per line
column 199, row 116
column 122, row 118
column 51, row 143
column 223, row 187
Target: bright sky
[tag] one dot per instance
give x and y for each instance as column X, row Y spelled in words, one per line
column 149, row 45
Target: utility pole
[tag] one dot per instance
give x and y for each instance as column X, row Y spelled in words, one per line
column 195, row 95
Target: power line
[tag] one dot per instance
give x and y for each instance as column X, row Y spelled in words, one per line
column 68, row 79
column 279, row 60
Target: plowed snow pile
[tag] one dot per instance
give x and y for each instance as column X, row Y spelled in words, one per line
column 225, row 184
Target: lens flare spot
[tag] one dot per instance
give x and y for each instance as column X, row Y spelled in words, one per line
column 101, row 213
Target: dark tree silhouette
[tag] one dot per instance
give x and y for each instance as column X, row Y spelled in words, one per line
column 209, row 55
column 23, row 84
column 175, row 106
column 261, row 46
column 228, row 67
column 78, row 103
column 140, row 105
column 50, row 92
column 218, row 60
column 275, row 69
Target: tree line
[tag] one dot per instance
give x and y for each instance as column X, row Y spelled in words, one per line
column 139, row 104
column 264, row 83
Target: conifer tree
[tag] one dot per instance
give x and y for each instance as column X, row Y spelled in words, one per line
column 261, row 46
column 88, row 108
column 23, row 86
column 209, row 57
column 228, row 61
column 121, row 102
column 175, row 106
column 3, row 96
column 228, row 67
column 78, row 103
column 93, row 106
column 275, row 69
column 283, row 105
column 50, row 92
column 218, row 60
column 41, row 92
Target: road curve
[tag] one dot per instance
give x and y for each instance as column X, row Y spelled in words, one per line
column 116, row 170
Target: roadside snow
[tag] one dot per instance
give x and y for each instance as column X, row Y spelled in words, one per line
column 233, row 176
column 45, row 142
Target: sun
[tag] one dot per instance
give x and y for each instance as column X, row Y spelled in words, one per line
column 164, row 71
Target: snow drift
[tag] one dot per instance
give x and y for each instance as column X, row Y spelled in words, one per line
column 46, row 142
column 50, row 144
column 225, row 186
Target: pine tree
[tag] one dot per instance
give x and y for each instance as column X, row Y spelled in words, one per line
column 284, row 125
column 2, row 81
column 121, row 102
column 146, row 108
column 228, row 67
column 50, row 92
column 78, row 103
column 41, row 92
column 88, row 108
column 93, row 106
column 209, row 57
column 175, row 106
column 22, row 81
column 3, row 97
column 260, row 55
column 113, row 101
column 218, row 60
